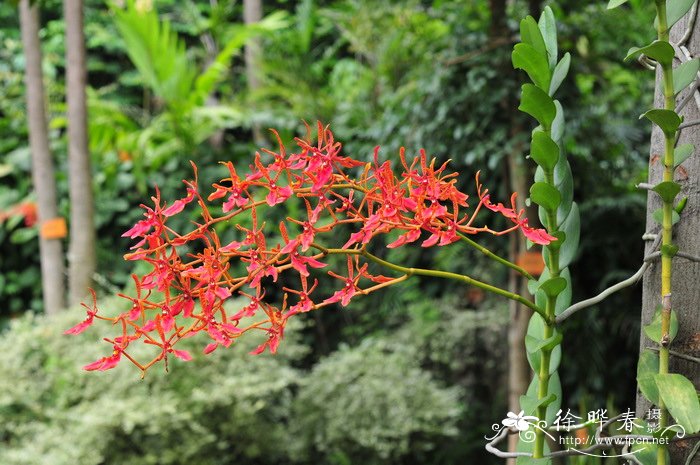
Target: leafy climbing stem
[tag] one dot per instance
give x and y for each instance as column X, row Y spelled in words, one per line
column 546, row 353
column 667, row 223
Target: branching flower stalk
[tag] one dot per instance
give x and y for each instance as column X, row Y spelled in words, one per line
column 344, row 201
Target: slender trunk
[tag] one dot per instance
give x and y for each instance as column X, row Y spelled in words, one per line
column 252, row 13
column 217, row 138
column 686, row 274
column 81, row 251
column 51, row 250
column 518, row 367
column 519, row 374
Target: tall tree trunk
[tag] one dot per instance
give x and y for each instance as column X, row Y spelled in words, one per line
column 81, row 251
column 519, row 373
column 686, row 274
column 252, row 13
column 518, row 367
column 51, row 250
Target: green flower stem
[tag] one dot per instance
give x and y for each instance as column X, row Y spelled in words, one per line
column 546, row 354
column 438, row 274
column 494, row 256
column 669, row 104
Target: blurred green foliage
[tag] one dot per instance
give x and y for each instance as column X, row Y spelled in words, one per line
column 384, row 400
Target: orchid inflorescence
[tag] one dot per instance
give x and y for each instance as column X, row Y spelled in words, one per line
column 193, row 273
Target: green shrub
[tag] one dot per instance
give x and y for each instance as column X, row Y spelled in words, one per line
column 228, row 407
column 368, row 404
column 371, row 404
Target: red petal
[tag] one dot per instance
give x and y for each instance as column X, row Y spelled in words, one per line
column 432, row 240
column 167, row 322
column 538, row 236
column 260, row 349
column 79, row 328
column 175, row 208
column 110, row 362
column 182, row 355
column 95, row 365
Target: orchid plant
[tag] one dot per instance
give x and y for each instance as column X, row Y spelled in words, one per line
column 347, row 203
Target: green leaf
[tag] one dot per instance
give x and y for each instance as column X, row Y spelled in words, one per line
column 659, row 50
column 536, row 103
column 534, row 346
column 647, row 367
column 615, row 3
column 681, row 205
column 667, row 120
column 675, row 10
column 23, row 235
column 560, row 72
column 558, row 123
column 548, row 28
column 564, row 182
column 682, row 153
column 685, row 74
column 532, row 403
column 553, row 286
column 572, row 228
column 560, row 239
column 535, row 333
column 544, row 150
column 527, row 58
column 530, row 34
column 653, row 329
column 532, row 285
column 669, row 250
column 157, row 53
column 545, row 195
column 554, row 388
column 681, row 400
column 529, row 403
column 563, row 299
column 658, row 216
column 667, row 190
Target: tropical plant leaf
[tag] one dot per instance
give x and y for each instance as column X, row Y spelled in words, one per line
column 667, row 120
column 685, row 74
column 548, row 27
column 659, row 50
column 682, row 153
column 536, row 103
column 560, row 72
column 544, row 150
column 527, row 58
column 681, row 400
column 647, row 367
column 545, row 195
column 653, row 329
column 667, row 190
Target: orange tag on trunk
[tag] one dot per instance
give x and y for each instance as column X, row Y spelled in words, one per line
column 55, row 228
column 531, row 262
